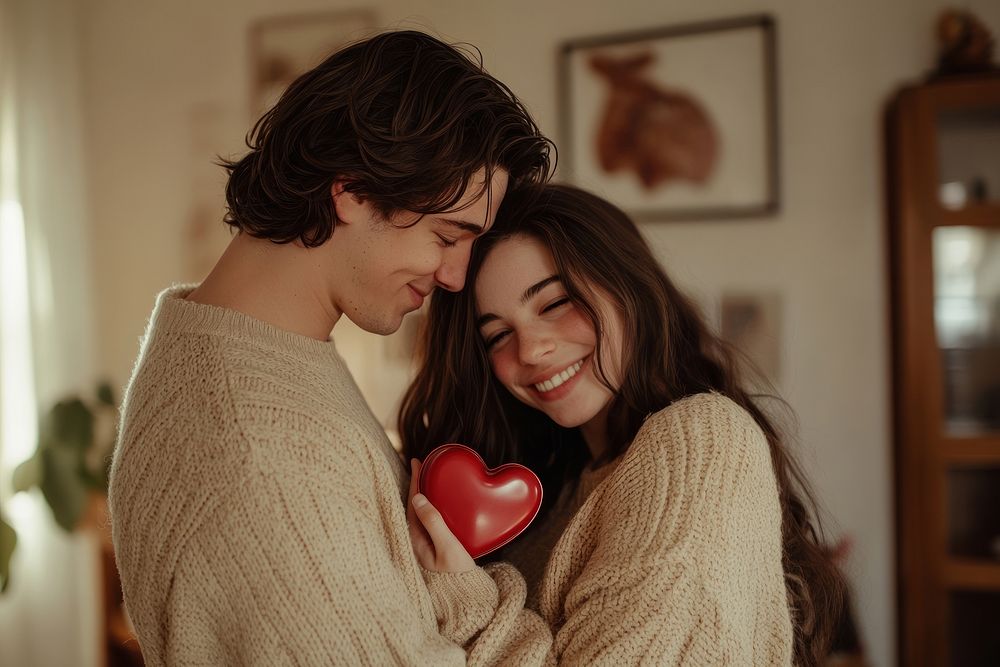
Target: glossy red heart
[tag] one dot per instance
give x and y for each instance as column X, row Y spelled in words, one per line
column 484, row 508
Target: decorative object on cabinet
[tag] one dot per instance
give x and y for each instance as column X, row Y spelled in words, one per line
column 943, row 175
column 965, row 45
column 677, row 122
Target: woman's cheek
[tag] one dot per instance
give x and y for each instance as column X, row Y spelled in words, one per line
column 577, row 327
column 504, row 367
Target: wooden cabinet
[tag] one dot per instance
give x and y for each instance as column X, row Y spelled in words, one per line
column 943, row 178
column 119, row 646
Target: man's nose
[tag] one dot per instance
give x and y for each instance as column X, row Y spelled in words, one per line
column 451, row 274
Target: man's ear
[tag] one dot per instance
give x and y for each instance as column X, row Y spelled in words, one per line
column 346, row 204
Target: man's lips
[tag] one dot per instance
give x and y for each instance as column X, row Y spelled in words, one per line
column 418, row 296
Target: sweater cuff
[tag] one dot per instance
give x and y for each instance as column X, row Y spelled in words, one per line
column 464, row 602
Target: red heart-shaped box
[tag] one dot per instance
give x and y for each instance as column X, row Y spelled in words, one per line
column 484, row 508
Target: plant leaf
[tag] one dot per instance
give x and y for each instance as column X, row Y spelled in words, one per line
column 28, row 474
column 73, row 424
column 8, row 540
column 105, row 394
column 64, row 490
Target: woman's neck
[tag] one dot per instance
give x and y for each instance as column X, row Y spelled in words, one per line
column 595, row 433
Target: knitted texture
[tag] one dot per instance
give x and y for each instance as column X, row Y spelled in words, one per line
column 671, row 555
column 258, row 513
column 530, row 552
column 259, row 518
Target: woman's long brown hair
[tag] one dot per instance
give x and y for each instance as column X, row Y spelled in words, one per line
column 669, row 353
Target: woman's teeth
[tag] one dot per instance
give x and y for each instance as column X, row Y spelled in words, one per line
column 557, row 379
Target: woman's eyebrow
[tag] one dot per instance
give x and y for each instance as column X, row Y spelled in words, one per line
column 538, row 287
column 528, row 293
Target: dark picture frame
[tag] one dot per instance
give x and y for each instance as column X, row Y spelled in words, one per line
column 675, row 123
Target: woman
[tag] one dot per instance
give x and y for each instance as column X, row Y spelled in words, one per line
column 676, row 526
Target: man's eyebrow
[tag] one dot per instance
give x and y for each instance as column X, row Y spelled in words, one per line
column 470, row 227
column 486, row 318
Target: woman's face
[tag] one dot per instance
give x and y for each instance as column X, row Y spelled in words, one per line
column 540, row 345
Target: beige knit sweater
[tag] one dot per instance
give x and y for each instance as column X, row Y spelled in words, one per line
column 670, row 554
column 258, row 516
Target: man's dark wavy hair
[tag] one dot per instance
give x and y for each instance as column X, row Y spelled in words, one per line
column 402, row 118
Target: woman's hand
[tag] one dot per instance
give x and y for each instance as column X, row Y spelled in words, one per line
column 436, row 547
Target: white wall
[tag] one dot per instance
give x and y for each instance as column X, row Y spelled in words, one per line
column 151, row 67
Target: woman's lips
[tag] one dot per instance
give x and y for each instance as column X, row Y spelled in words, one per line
column 565, row 388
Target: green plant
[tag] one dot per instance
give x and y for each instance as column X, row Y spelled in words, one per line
column 72, row 460
column 8, row 540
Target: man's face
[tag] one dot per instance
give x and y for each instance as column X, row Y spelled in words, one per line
column 392, row 265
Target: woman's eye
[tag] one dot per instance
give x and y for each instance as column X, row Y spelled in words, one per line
column 495, row 338
column 555, row 304
column 447, row 242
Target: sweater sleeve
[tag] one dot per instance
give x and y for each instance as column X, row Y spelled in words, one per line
column 504, row 633
column 273, row 579
column 676, row 559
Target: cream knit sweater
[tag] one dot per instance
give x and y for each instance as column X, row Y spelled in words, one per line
column 670, row 554
column 258, row 517
column 258, row 514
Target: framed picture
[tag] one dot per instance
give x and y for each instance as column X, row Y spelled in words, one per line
column 751, row 322
column 283, row 47
column 676, row 123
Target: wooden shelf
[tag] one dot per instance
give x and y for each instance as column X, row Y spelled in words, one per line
column 977, row 215
column 969, row 574
column 121, row 635
column 972, row 451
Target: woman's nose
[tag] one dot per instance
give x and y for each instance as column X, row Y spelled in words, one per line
column 534, row 348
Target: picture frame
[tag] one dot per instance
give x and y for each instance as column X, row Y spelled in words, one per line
column 675, row 123
column 751, row 322
column 284, row 47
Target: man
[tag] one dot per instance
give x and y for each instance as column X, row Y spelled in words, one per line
column 256, row 502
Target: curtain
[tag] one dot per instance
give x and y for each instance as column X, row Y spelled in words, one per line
column 50, row 614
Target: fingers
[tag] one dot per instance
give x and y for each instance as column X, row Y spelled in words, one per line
column 415, row 466
column 423, row 548
column 411, row 517
column 451, row 555
column 434, row 545
column 414, row 487
column 429, row 517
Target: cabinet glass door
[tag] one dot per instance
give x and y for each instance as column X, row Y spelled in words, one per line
column 967, row 322
column 968, row 157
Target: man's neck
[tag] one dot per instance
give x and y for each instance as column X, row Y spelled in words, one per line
column 281, row 284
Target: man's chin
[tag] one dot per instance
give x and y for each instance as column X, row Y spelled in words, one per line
column 379, row 326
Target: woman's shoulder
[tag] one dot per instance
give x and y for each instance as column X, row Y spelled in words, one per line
column 687, row 462
column 701, row 426
column 707, row 410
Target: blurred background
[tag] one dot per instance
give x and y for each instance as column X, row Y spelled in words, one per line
column 779, row 222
